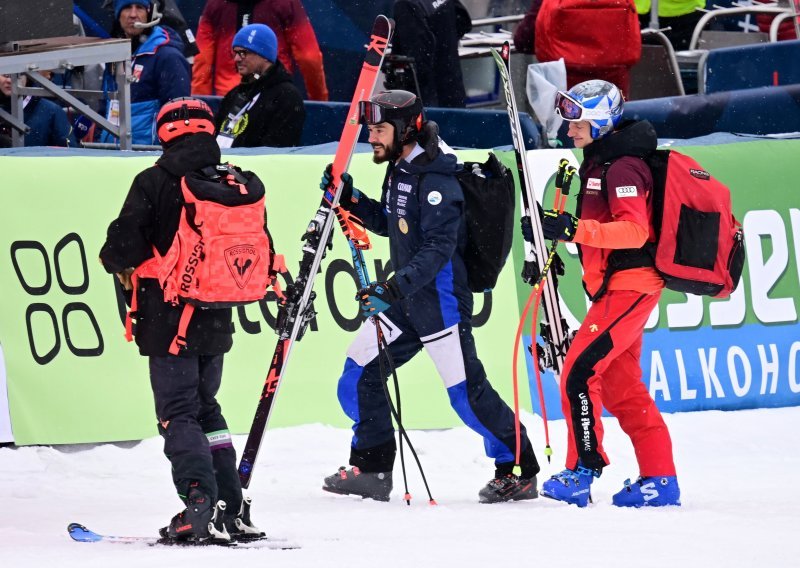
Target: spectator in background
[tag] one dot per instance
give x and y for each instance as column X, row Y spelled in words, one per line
column 525, row 33
column 265, row 109
column 97, row 17
column 214, row 70
column 786, row 29
column 159, row 69
column 428, row 31
column 47, row 121
column 681, row 16
column 600, row 42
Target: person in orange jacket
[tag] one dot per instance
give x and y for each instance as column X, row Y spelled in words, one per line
column 214, row 72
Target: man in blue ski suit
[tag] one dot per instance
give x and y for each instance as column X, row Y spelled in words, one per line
column 159, row 70
column 426, row 304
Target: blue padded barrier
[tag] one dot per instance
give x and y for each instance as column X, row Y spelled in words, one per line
column 750, row 66
column 767, row 110
column 462, row 128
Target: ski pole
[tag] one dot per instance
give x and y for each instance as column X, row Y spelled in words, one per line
column 563, row 180
column 358, row 241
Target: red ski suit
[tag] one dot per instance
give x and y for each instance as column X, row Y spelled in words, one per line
column 602, row 366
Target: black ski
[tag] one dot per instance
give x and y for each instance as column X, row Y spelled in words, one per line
column 298, row 310
column 553, row 330
column 80, row 533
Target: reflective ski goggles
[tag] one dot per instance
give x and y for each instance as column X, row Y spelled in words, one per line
column 372, row 113
column 570, row 109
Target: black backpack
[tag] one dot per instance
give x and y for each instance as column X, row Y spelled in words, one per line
column 489, row 213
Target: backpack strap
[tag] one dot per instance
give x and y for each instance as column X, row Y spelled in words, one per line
column 278, row 267
column 148, row 269
column 622, row 259
column 132, row 313
column 179, row 341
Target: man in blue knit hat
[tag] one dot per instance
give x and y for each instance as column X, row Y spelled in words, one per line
column 265, row 109
column 159, row 70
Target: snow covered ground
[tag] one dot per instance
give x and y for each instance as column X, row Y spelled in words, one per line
column 739, row 472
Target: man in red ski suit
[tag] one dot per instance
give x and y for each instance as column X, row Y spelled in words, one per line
column 602, row 366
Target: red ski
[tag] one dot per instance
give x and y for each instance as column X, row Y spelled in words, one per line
column 298, row 310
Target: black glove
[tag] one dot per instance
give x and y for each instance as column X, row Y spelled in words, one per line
column 527, row 228
column 349, row 194
column 377, row 297
column 530, row 270
column 561, row 226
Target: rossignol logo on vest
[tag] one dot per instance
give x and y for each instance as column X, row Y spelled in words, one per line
column 700, row 174
column 189, row 273
column 241, row 261
column 221, row 234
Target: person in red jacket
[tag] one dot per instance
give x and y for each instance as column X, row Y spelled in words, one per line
column 214, row 72
column 601, row 41
column 602, row 366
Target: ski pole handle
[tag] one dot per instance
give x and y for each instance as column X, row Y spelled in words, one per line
column 570, row 171
column 563, row 191
column 561, row 172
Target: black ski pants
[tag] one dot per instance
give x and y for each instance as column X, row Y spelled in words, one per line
column 196, row 437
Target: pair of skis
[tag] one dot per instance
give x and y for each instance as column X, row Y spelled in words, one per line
column 298, row 310
column 553, row 329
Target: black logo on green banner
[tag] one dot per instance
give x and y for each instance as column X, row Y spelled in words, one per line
column 71, row 312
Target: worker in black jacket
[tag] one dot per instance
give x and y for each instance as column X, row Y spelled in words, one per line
column 428, row 31
column 196, row 437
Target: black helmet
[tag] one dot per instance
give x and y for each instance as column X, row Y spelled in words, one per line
column 401, row 109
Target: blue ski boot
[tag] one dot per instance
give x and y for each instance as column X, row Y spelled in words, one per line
column 649, row 492
column 571, row 486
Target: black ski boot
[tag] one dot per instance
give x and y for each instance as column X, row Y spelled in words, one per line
column 240, row 527
column 353, row 481
column 199, row 521
column 508, row 488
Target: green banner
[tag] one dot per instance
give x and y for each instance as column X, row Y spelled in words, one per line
column 73, row 378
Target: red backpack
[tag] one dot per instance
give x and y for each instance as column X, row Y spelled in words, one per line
column 589, row 34
column 221, row 255
column 699, row 246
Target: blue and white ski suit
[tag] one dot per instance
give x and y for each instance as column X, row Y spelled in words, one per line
column 421, row 211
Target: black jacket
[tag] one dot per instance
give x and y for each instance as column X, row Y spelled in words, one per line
column 149, row 217
column 275, row 119
column 428, row 31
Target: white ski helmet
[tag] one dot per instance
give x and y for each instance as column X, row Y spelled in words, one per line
column 597, row 102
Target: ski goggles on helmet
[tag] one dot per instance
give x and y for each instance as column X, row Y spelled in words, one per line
column 372, row 112
column 571, row 110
